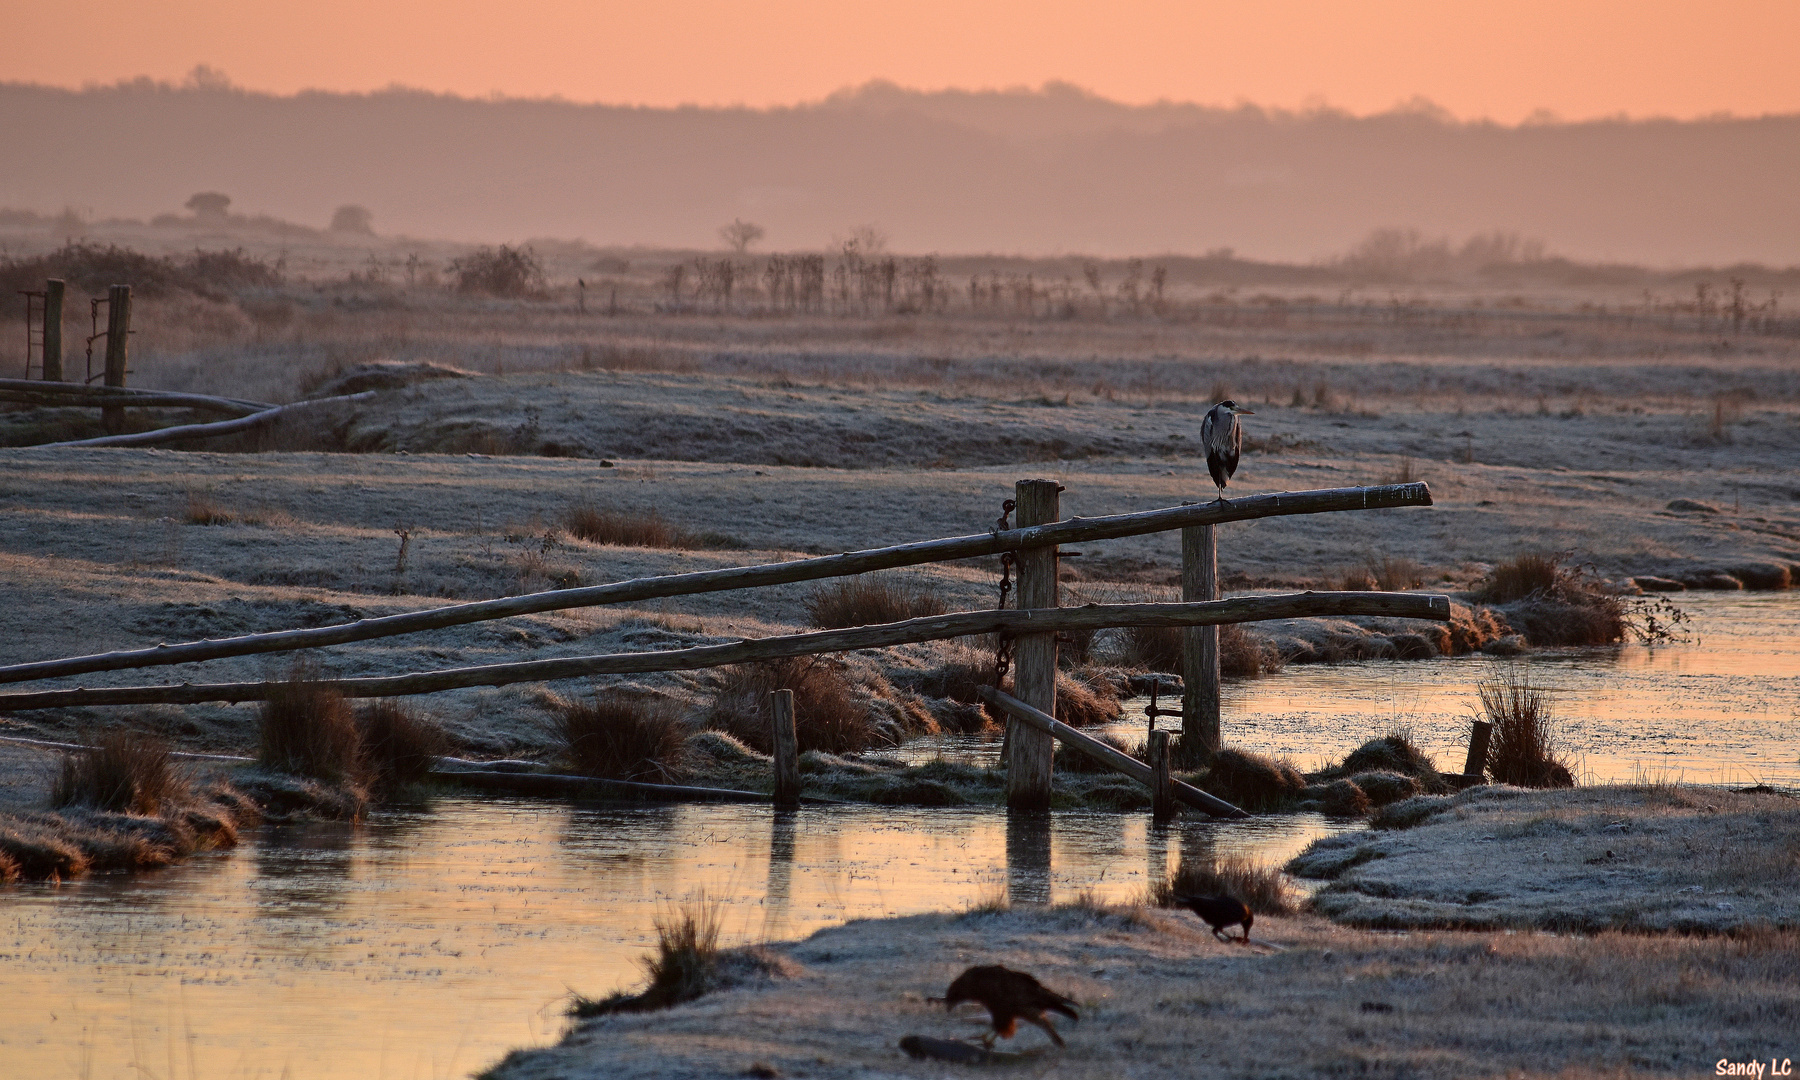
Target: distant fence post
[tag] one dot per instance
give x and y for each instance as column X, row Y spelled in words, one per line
column 787, row 749
column 1199, row 648
column 118, row 352
column 1479, row 733
column 1162, row 793
column 53, row 307
column 1029, row 751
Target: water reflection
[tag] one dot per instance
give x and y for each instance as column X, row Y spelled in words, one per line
column 428, row 944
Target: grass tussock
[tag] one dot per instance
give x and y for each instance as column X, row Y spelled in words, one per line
column 624, row 736
column 310, row 730
column 1264, row 889
column 202, row 509
column 1084, row 699
column 1553, row 603
column 619, row 528
column 1522, row 748
column 1252, row 782
column 1153, row 648
column 1242, row 654
column 827, row 715
column 398, row 745
column 870, row 599
column 122, row 771
column 684, row 966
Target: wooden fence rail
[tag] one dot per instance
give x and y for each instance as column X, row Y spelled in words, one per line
column 1070, row 531
column 933, row 628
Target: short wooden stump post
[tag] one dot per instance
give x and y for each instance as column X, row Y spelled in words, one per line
column 787, row 749
column 1479, row 734
column 1162, row 793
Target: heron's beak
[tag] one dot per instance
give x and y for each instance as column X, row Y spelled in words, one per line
column 1245, row 412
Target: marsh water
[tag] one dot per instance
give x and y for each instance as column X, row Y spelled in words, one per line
column 428, row 941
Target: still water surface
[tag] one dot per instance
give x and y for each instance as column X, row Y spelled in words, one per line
column 425, row 943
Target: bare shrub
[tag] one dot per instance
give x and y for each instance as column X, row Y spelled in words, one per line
column 827, row 716
column 623, row 736
column 869, row 599
column 502, row 271
column 1522, row 750
column 399, row 746
column 1252, row 782
column 1263, row 889
column 684, row 966
column 623, row 529
column 123, row 771
column 1406, row 472
column 309, row 730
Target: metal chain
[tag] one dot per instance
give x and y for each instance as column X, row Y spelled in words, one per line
column 1003, row 644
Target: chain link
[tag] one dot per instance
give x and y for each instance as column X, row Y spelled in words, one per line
column 1003, row 643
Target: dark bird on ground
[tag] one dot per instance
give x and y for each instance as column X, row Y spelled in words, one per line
column 1220, row 912
column 1222, row 437
column 1009, row 996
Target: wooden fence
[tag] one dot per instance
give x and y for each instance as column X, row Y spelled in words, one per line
column 1033, row 626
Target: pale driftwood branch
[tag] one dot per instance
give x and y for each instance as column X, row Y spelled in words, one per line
column 1106, row 755
column 206, row 431
column 933, row 628
column 80, row 394
column 1074, row 530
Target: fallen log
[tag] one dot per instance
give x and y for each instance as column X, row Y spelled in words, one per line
column 1098, row 751
column 932, row 628
column 205, row 431
column 1073, row 530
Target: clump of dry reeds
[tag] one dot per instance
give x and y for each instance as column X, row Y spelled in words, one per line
column 123, row 771
column 1522, row 748
column 620, row 528
column 1241, row 653
column 398, row 745
column 1252, row 782
column 870, row 599
column 202, row 509
column 1069, row 759
column 1555, row 604
column 827, row 716
column 1263, row 889
column 1084, row 699
column 310, row 730
column 684, row 966
column 1396, row 574
column 624, row 736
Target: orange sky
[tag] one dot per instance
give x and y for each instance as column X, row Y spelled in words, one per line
column 1477, row 58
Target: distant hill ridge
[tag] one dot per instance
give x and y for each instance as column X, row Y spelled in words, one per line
column 1036, row 172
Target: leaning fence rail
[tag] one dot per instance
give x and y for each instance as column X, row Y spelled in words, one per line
column 909, row 631
column 1069, row 531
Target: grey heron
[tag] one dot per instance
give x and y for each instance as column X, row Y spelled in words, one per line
column 1222, row 437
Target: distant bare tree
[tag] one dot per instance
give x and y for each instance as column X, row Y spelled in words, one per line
column 209, row 204
column 866, row 241
column 739, row 235
column 353, row 219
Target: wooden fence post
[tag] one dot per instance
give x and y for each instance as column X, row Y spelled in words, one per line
column 1162, row 793
column 1476, row 764
column 1199, row 648
column 118, row 341
column 1028, row 751
column 787, row 749
column 53, row 305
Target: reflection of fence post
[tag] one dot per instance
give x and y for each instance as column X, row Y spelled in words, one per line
column 1028, row 751
column 1478, row 748
column 53, row 305
column 1162, row 793
column 118, row 340
column 787, row 749
column 1199, row 648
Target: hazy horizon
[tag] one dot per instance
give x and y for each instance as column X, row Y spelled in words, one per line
column 1049, row 171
